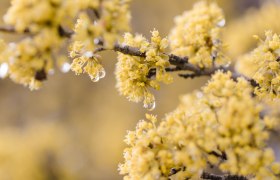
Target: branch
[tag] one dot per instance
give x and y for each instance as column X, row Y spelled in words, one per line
column 223, row 155
column 180, row 63
column 61, row 31
column 209, row 176
column 11, row 29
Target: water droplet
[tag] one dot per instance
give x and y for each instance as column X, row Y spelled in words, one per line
column 199, row 94
column 4, row 68
column 216, row 42
column 150, row 106
column 96, row 41
column 51, row 72
column 227, row 65
column 102, row 73
column 221, row 23
column 66, row 67
column 12, row 45
column 95, row 78
column 88, row 54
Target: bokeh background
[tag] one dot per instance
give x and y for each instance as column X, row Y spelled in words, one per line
column 73, row 128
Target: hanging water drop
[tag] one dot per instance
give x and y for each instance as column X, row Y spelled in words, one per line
column 51, row 72
column 88, row 54
column 227, row 65
column 102, row 73
column 4, row 68
column 97, row 41
column 221, row 23
column 66, row 67
column 95, row 78
column 199, row 94
column 150, row 106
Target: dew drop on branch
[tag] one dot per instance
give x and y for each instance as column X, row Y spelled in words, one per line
column 102, row 73
column 51, row 72
column 65, row 67
column 199, row 94
column 4, row 68
column 221, row 23
column 95, row 78
column 88, row 54
column 150, row 106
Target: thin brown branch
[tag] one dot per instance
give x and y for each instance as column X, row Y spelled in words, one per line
column 208, row 72
column 10, row 29
column 180, row 63
column 129, row 50
column 223, row 155
column 65, row 32
column 209, row 176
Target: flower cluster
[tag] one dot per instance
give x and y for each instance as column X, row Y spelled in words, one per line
column 104, row 30
column 49, row 22
column 197, row 35
column 31, row 59
column 208, row 128
column 132, row 71
column 36, row 15
column 265, row 68
column 90, row 64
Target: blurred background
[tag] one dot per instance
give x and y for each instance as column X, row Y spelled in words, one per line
column 74, row 129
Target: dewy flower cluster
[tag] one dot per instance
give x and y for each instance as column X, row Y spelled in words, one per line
column 209, row 128
column 132, row 72
column 49, row 23
column 226, row 126
column 262, row 64
column 197, row 35
column 266, row 61
column 89, row 34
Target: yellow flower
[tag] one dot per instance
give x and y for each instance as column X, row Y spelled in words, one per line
column 132, row 72
column 197, row 35
column 201, row 131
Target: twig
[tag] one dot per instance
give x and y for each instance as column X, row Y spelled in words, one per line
column 61, row 31
column 180, row 63
column 129, row 50
column 11, row 29
column 209, row 176
column 223, row 155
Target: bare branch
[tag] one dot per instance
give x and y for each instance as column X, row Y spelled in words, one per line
column 180, row 63
column 210, row 176
column 11, row 29
column 129, row 50
column 61, row 31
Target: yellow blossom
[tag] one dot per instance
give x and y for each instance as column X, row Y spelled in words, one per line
column 197, row 35
column 132, row 71
column 202, row 131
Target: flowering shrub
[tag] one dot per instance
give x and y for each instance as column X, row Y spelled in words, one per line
column 225, row 125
